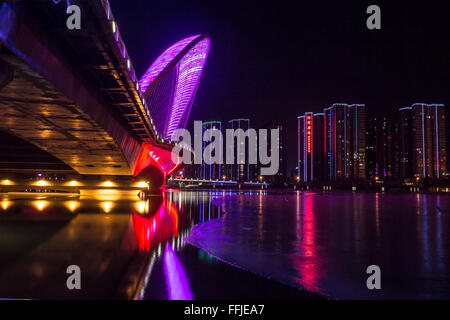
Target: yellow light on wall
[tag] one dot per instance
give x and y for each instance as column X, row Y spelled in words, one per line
column 142, row 184
column 103, row 194
column 5, row 204
column 42, row 183
column 108, row 184
column 40, row 204
column 72, row 205
column 73, row 183
column 7, row 182
column 107, row 206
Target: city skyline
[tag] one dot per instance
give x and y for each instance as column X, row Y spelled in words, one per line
column 247, row 78
column 342, row 143
column 224, row 152
column 307, row 58
column 365, row 130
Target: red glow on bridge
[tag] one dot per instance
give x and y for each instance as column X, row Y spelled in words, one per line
column 155, row 156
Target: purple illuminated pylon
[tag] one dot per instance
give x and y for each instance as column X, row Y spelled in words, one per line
column 190, row 55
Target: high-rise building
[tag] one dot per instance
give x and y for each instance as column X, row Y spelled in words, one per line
column 311, row 155
column 356, row 140
column 240, row 171
column 281, row 176
column 371, row 149
column 380, row 148
column 405, row 144
column 212, row 171
column 335, row 121
column 428, row 140
column 345, row 141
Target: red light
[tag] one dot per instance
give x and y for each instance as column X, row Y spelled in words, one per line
column 308, row 141
column 152, row 155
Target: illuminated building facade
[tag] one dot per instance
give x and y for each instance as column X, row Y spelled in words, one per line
column 239, row 171
column 311, row 155
column 335, row 117
column 356, row 141
column 428, row 140
column 345, row 141
column 380, row 149
column 211, row 171
column 405, row 144
column 332, row 144
column 280, row 177
column 339, row 145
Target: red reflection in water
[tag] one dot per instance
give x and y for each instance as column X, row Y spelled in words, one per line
column 308, row 227
column 152, row 230
column 307, row 264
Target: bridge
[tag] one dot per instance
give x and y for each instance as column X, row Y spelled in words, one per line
column 187, row 182
column 75, row 93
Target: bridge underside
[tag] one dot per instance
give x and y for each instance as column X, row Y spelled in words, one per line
column 32, row 109
column 72, row 95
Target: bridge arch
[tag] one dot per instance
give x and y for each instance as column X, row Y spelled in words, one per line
column 86, row 107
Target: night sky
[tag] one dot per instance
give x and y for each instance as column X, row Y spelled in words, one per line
column 276, row 60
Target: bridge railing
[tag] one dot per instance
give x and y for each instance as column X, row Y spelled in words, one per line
column 218, row 181
column 132, row 73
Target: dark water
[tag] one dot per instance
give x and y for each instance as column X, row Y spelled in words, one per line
column 125, row 248
column 318, row 242
column 111, row 235
column 324, row 242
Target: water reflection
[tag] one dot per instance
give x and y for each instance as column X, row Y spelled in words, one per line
column 72, row 205
column 176, row 278
column 5, row 204
column 324, row 242
column 112, row 235
column 152, row 230
column 40, row 204
column 320, row 242
column 306, row 265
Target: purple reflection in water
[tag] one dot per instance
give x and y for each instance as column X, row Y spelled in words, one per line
column 176, row 279
column 323, row 242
